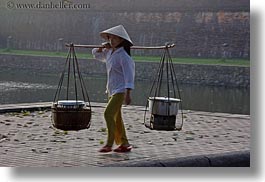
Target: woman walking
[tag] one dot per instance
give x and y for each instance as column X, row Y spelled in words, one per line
column 120, row 82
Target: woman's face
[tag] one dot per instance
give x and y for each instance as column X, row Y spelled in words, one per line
column 114, row 40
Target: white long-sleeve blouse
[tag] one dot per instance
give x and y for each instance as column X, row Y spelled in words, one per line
column 120, row 69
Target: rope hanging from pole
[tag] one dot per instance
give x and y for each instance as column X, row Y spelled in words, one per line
column 162, row 101
column 72, row 114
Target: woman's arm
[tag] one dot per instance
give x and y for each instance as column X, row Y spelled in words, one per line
column 127, row 97
column 100, row 53
column 128, row 68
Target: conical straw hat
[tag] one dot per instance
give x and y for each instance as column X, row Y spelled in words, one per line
column 118, row 31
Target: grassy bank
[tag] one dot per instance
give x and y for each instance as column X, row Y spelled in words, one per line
column 229, row 62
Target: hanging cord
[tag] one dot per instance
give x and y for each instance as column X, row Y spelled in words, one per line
column 168, row 89
column 155, row 81
column 78, row 72
column 81, row 81
column 175, row 77
column 74, row 75
column 68, row 73
column 58, row 91
column 71, row 56
column 160, row 76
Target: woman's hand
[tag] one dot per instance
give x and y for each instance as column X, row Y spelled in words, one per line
column 105, row 45
column 100, row 49
column 127, row 97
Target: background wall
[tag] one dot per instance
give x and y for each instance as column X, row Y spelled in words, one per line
column 230, row 76
column 199, row 28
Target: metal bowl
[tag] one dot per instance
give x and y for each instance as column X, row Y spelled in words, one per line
column 70, row 104
column 164, row 106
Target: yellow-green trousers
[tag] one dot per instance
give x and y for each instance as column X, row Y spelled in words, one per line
column 113, row 117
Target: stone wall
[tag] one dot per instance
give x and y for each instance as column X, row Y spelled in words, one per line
column 199, row 28
column 231, row 76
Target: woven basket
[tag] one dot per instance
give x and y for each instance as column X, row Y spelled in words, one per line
column 71, row 118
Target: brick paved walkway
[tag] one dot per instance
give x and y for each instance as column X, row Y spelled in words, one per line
column 27, row 139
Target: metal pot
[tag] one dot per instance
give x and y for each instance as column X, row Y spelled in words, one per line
column 70, row 104
column 163, row 106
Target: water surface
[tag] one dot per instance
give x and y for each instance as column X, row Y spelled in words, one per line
column 18, row 86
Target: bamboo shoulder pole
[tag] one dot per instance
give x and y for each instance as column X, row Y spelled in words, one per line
column 133, row 47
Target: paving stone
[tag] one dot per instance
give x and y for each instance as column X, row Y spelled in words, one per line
column 35, row 143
